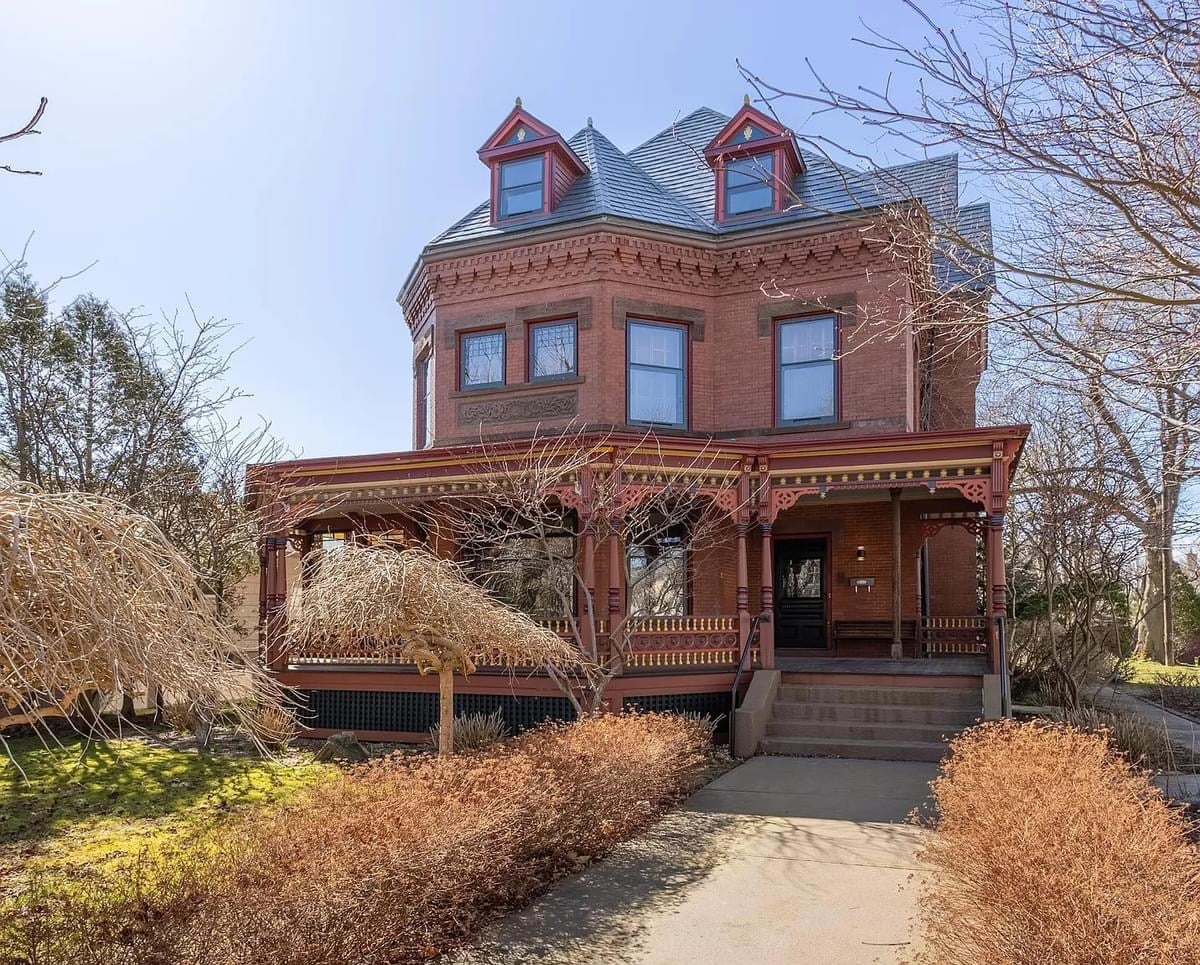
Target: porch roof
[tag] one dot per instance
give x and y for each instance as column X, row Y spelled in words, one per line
column 794, row 460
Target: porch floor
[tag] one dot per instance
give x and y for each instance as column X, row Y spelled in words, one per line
column 967, row 665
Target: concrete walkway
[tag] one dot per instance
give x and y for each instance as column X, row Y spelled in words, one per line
column 781, row 860
column 1183, row 731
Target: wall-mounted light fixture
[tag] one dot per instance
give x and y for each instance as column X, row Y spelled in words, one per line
column 860, row 553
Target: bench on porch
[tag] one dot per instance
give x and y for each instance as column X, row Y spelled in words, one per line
column 871, row 630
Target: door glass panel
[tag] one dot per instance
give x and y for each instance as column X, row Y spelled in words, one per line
column 802, row 579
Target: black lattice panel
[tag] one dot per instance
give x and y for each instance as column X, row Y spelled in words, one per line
column 714, row 705
column 416, row 712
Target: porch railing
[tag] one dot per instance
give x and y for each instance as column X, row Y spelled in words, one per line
column 954, row 635
column 701, row 642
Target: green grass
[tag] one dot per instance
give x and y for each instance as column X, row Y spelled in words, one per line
column 1148, row 671
column 99, row 805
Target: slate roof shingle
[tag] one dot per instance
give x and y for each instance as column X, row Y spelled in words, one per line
column 666, row 181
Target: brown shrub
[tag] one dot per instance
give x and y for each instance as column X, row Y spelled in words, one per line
column 1050, row 848
column 404, row 856
column 1143, row 741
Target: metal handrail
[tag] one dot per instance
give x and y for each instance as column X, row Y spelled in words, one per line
column 737, row 677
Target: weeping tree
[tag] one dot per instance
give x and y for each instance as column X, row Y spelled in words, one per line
column 95, row 601
column 380, row 601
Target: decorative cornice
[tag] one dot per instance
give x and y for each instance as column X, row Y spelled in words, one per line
column 600, row 255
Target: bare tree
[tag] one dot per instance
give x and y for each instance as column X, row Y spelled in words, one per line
column 95, row 600
column 531, row 526
column 378, row 600
column 1082, row 116
column 26, row 130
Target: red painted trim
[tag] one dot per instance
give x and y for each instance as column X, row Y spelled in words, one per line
column 837, row 368
column 687, row 367
column 1012, row 436
column 777, row 175
column 777, row 136
column 518, row 115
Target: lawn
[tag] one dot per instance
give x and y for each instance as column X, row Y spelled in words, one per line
column 1150, row 671
column 100, row 804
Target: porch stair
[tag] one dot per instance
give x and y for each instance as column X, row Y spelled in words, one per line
column 893, row 723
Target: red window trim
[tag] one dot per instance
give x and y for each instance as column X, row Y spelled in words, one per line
column 776, row 188
column 778, row 422
column 530, row 324
column 687, row 369
column 458, row 353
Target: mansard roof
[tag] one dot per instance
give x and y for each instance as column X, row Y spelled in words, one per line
column 667, row 182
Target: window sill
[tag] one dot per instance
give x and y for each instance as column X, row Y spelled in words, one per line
column 516, row 387
column 821, row 425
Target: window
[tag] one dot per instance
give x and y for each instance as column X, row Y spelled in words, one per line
column 521, row 186
column 807, row 377
column 749, row 184
column 551, row 350
column 658, row 584
column 424, row 403
column 482, row 355
column 656, row 377
column 534, row 575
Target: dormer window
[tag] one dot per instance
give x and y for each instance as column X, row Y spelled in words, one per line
column 522, row 184
column 754, row 160
column 749, row 184
column 532, row 166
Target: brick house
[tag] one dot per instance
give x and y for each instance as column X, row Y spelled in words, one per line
column 714, row 290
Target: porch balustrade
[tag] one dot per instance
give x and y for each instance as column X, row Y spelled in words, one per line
column 954, row 635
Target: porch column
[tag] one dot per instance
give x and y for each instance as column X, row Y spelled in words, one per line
column 276, row 602
column 897, row 578
column 616, row 579
column 766, row 626
column 264, row 571
column 997, row 585
column 591, row 605
column 743, row 585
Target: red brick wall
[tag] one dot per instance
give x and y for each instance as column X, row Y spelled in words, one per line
column 719, row 292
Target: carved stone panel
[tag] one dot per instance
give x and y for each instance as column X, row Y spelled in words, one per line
column 493, row 411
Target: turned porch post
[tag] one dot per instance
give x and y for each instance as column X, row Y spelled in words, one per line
column 590, row 604
column 997, row 593
column 993, row 540
column 276, row 602
column 766, row 627
column 897, row 578
column 616, row 579
column 743, row 570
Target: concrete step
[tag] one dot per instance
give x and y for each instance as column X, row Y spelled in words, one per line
column 876, row 713
column 837, row 730
column 868, row 750
column 945, row 697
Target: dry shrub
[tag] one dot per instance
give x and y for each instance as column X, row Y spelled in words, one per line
column 1052, row 848
column 473, row 732
column 272, row 726
column 403, row 856
column 179, row 716
column 1143, row 741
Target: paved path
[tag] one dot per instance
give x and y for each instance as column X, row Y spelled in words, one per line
column 781, row 860
column 1183, row 731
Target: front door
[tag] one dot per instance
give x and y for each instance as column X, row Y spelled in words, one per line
column 801, row 590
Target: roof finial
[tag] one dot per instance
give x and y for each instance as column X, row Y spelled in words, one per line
column 589, row 120
column 519, row 102
column 745, row 100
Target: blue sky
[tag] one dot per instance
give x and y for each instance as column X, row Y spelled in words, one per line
column 282, row 164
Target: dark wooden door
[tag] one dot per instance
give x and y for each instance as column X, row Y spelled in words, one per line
column 801, row 593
